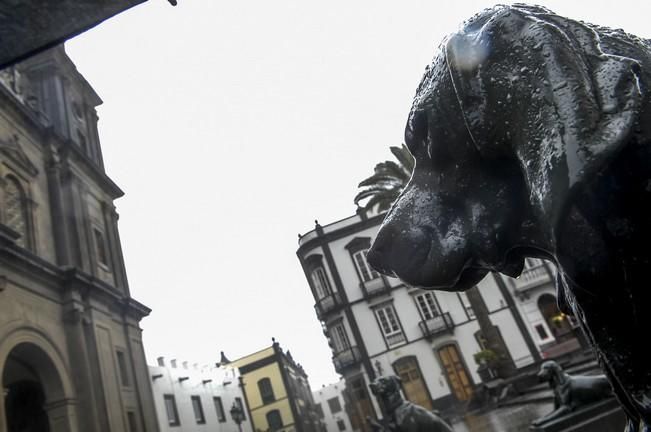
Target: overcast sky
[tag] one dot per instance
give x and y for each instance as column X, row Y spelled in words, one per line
column 232, row 125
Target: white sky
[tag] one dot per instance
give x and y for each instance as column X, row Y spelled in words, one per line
column 232, row 125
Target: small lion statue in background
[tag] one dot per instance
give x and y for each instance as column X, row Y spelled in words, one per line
column 571, row 392
column 404, row 416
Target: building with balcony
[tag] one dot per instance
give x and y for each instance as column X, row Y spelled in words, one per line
column 71, row 349
column 376, row 325
column 190, row 398
column 555, row 333
column 277, row 392
column 330, row 404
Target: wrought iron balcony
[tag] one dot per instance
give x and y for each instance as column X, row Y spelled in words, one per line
column 346, row 359
column 437, row 325
column 374, row 287
column 327, row 304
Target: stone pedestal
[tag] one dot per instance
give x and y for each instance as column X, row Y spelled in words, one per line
column 604, row 416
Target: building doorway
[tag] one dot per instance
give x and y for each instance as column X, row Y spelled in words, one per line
column 413, row 384
column 358, row 403
column 456, row 372
column 29, row 381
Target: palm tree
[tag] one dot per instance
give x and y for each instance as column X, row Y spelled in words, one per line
column 387, row 182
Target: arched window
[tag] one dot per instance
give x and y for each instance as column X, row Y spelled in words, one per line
column 16, row 210
column 274, row 420
column 266, row 391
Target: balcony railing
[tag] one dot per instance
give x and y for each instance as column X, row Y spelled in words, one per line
column 374, row 287
column 437, row 325
column 346, row 359
column 327, row 304
column 395, row 339
column 532, row 277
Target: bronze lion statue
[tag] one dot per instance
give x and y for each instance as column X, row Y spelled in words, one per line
column 531, row 134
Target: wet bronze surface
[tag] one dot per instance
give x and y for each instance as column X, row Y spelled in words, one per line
column 531, row 137
column 30, row 26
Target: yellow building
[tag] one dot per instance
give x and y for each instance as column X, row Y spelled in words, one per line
column 277, row 392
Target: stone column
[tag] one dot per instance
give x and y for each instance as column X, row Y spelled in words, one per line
column 88, row 386
column 59, row 222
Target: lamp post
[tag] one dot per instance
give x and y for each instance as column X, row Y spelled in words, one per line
column 237, row 415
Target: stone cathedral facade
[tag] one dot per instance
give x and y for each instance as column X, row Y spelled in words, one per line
column 71, row 353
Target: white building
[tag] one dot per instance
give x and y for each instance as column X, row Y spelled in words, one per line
column 197, row 399
column 535, row 293
column 378, row 326
column 330, row 404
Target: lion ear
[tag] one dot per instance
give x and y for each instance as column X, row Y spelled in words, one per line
column 538, row 88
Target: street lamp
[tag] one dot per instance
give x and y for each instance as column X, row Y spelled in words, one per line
column 237, row 415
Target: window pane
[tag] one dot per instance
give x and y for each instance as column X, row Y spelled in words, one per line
column 170, row 408
column 365, row 270
column 361, row 266
column 383, row 321
column 122, row 365
column 321, row 284
column 389, row 326
column 335, row 405
column 274, row 420
column 198, row 410
column 374, row 274
column 541, row 332
column 393, row 321
column 100, row 247
column 427, row 305
column 343, row 339
column 266, row 391
column 339, row 339
column 15, row 210
column 219, row 408
column 466, row 304
column 431, row 302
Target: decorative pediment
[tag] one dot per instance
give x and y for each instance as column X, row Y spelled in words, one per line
column 12, row 149
column 313, row 261
column 358, row 243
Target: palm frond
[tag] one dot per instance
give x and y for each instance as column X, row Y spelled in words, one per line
column 392, row 168
column 404, row 157
column 372, row 191
column 387, row 171
column 383, row 201
column 389, row 178
column 381, row 178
